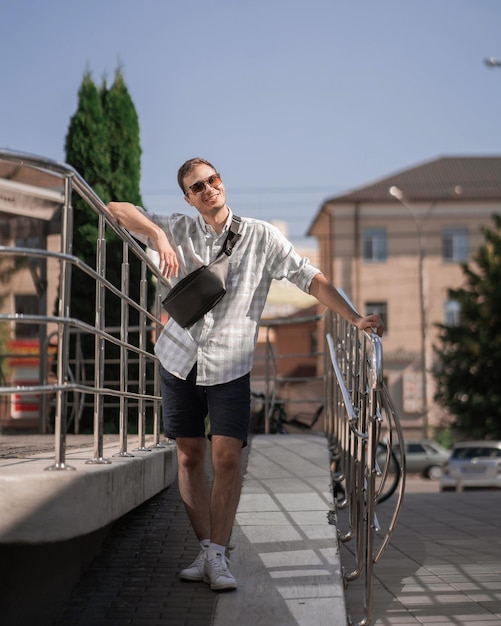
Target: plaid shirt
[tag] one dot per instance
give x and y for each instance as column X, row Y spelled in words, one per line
column 223, row 342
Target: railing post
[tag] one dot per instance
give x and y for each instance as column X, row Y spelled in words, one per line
column 156, row 374
column 61, row 419
column 267, row 378
column 99, row 347
column 141, row 426
column 124, row 354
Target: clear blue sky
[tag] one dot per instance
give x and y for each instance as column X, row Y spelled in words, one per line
column 292, row 101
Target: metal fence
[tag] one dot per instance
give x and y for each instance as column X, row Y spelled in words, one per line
column 363, row 431
column 63, row 389
column 367, row 446
column 350, row 405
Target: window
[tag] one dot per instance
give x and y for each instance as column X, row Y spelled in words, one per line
column 374, row 245
column 416, row 448
column 381, row 308
column 452, row 313
column 26, row 305
column 454, row 245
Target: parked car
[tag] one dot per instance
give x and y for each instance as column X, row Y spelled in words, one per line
column 472, row 464
column 425, row 457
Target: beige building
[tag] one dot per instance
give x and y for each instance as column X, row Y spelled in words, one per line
column 30, row 218
column 395, row 247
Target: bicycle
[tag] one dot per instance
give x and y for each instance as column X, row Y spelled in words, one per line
column 279, row 422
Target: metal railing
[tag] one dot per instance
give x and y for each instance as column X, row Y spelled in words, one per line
column 363, row 431
column 58, row 329
column 360, row 419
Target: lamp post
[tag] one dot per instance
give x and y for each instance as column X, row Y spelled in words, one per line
column 492, row 62
column 419, row 223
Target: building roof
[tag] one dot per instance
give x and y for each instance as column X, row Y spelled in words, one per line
column 28, row 175
column 455, row 178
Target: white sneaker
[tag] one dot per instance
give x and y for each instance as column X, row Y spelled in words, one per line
column 195, row 571
column 217, row 574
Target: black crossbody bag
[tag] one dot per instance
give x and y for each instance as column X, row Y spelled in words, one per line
column 200, row 291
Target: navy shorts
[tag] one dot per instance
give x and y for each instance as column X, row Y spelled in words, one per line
column 186, row 406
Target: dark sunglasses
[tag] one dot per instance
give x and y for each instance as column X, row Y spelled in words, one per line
column 198, row 187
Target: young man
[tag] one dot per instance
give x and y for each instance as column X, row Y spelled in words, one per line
column 206, row 369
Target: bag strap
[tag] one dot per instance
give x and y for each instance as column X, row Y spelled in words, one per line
column 233, row 236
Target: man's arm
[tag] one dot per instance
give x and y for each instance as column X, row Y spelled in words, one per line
column 128, row 216
column 328, row 295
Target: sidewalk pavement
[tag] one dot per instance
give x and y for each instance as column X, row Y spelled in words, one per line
column 283, row 553
column 443, row 565
column 442, row 568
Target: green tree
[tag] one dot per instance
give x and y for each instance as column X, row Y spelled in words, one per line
column 103, row 145
column 125, row 161
column 88, row 152
column 123, row 141
column 468, row 371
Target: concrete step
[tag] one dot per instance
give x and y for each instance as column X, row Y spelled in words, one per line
column 57, row 505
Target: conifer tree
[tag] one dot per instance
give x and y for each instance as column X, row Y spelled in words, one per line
column 87, row 151
column 468, row 371
column 125, row 163
column 123, row 141
column 103, row 145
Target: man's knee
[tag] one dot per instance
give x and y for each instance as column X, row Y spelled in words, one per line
column 226, row 453
column 190, row 452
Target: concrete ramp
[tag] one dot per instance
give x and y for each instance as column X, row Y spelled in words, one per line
column 286, row 557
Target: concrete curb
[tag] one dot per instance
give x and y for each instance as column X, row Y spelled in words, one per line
column 48, row 506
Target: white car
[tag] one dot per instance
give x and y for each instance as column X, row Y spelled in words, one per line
column 472, row 464
column 426, row 457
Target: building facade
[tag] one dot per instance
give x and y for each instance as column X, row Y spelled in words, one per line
column 30, row 218
column 396, row 247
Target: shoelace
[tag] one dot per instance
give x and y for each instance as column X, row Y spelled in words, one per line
column 220, row 564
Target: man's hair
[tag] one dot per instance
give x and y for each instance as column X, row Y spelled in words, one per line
column 186, row 169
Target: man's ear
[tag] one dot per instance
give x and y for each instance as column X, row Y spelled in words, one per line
column 187, row 200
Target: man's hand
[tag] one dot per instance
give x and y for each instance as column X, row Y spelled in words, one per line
column 128, row 216
column 167, row 258
column 371, row 322
column 327, row 294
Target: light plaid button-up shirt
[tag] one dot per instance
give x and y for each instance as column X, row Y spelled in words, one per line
column 223, row 342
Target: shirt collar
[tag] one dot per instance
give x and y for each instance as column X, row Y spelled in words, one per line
column 208, row 229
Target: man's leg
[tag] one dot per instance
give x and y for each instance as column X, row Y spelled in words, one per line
column 224, row 499
column 193, row 485
column 226, row 488
column 194, row 491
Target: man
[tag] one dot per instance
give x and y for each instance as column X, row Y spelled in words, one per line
column 206, row 369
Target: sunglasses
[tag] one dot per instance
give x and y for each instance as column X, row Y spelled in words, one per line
column 198, row 187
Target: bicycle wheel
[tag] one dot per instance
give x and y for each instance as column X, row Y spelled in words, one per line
column 388, row 472
column 278, row 420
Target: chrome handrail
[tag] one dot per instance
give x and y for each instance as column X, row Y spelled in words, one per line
column 360, row 412
column 66, row 321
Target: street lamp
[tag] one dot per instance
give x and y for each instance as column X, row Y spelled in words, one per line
column 399, row 195
column 492, row 62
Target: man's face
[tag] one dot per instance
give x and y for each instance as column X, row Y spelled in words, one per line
column 211, row 199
